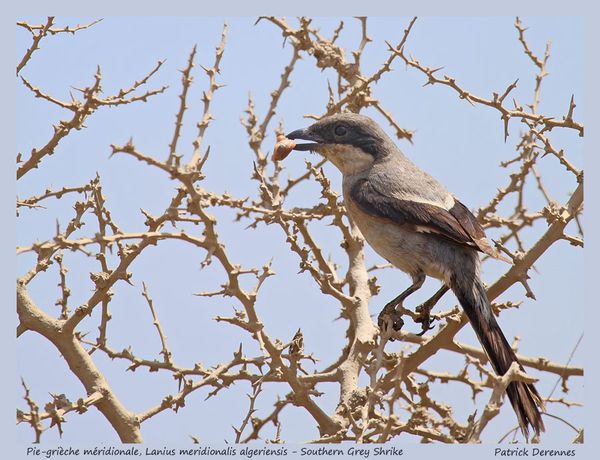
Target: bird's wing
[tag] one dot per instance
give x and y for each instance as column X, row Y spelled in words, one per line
column 457, row 224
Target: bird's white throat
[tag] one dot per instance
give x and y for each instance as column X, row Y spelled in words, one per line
column 347, row 158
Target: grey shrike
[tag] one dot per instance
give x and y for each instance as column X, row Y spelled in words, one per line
column 411, row 220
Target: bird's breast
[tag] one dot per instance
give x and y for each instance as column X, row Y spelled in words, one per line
column 387, row 238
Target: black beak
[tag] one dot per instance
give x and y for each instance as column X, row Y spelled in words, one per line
column 303, row 134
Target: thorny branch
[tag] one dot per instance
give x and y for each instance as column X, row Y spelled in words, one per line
column 397, row 399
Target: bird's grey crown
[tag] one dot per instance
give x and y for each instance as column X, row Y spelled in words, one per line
column 347, row 129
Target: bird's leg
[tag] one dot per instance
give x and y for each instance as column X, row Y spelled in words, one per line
column 425, row 308
column 389, row 318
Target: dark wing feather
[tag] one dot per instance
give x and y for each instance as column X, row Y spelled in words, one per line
column 469, row 222
column 457, row 224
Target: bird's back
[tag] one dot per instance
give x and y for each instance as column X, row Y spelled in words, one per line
column 398, row 177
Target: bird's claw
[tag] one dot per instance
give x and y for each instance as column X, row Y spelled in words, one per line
column 425, row 318
column 425, row 328
column 390, row 321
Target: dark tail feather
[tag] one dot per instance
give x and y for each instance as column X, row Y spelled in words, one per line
column 524, row 397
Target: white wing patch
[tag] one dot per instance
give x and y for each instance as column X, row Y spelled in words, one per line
column 447, row 204
column 434, row 231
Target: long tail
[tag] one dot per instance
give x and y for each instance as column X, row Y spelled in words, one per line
column 524, row 397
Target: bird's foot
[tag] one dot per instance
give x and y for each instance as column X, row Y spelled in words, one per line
column 389, row 321
column 424, row 317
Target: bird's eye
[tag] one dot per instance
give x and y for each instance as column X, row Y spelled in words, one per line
column 340, row 130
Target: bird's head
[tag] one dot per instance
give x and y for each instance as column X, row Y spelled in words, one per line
column 350, row 141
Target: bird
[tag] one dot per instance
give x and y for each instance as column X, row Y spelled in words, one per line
column 416, row 224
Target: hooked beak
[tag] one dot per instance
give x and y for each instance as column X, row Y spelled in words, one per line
column 303, row 134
